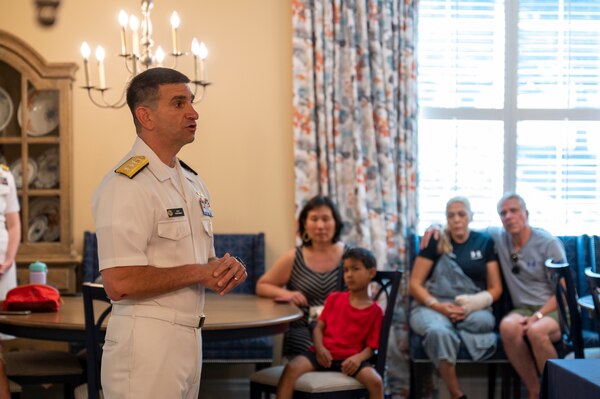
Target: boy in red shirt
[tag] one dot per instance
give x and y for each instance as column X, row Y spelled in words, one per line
column 347, row 331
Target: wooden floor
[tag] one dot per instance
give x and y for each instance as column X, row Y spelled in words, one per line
column 221, row 382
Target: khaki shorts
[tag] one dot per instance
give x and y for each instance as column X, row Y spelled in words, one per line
column 530, row 310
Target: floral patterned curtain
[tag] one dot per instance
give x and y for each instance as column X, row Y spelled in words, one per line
column 355, row 128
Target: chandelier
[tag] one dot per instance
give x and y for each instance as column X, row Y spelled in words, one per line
column 141, row 55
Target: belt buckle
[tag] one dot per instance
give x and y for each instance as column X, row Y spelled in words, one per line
column 201, row 322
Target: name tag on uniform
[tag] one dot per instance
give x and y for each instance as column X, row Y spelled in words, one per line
column 175, row 212
column 205, row 205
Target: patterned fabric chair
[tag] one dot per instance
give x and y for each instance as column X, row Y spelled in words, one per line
column 250, row 248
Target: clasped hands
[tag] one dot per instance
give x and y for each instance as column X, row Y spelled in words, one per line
column 229, row 272
column 464, row 305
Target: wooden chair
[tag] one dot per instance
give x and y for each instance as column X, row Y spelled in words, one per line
column 36, row 367
column 574, row 338
column 15, row 390
column 593, row 280
column 94, row 338
column 329, row 384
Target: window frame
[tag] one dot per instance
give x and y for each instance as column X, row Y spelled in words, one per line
column 510, row 115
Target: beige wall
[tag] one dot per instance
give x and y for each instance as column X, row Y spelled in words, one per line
column 243, row 148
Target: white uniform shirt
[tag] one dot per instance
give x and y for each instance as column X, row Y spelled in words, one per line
column 8, row 195
column 8, row 203
column 147, row 220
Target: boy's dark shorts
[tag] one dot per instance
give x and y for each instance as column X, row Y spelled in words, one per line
column 336, row 365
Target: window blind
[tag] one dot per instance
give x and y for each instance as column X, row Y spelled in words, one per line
column 509, row 97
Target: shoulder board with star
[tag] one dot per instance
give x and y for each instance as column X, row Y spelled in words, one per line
column 4, row 167
column 186, row 167
column 133, row 166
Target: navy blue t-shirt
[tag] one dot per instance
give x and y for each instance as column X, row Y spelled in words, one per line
column 472, row 256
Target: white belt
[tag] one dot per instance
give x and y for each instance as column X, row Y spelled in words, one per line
column 159, row 313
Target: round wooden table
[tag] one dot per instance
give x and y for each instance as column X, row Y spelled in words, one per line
column 232, row 316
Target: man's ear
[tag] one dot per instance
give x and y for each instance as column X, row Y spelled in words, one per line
column 144, row 117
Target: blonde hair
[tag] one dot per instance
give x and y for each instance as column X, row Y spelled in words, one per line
column 444, row 245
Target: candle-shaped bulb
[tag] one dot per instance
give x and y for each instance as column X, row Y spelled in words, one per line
column 100, row 53
column 174, row 25
column 195, row 47
column 175, row 21
column 203, row 51
column 200, row 51
column 85, row 50
column 134, row 24
column 195, row 51
column 160, row 55
column 123, row 18
column 85, row 53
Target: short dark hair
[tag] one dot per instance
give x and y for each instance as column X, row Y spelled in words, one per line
column 361, row 254
column 143, row 88
column 316, row 202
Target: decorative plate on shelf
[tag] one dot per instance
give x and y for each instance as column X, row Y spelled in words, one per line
column 44, row 218
column 32, row 170
column 37, row 228
column 6, row 108
column 42, row 111
column 47, row 175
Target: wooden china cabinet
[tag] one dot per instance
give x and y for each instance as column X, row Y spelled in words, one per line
column 36, row 131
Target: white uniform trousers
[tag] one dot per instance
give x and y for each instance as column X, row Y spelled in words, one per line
column 146, row 358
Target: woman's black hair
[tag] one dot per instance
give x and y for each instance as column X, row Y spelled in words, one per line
column 363, row 255
column 317, row 202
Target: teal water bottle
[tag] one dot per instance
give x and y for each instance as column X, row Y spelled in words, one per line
column 37, row 272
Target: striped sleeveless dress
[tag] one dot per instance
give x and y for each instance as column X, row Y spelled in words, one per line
column 315, row 287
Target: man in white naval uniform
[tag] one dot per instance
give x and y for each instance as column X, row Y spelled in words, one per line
column 155, row 245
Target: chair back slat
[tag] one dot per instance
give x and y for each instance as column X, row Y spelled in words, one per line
column 388, row 283
column 568, row 308
column 94, row 334
column 593, row 280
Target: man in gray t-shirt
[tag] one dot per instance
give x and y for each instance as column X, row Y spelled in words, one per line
column 522, row 251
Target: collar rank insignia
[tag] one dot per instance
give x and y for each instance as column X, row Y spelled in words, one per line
column 4, row 167
column 187, row 167
column 133, row 166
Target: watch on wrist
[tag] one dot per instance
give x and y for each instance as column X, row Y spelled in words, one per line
column 538, row 315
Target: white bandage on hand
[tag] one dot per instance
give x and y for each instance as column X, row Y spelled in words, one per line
column 474, row 302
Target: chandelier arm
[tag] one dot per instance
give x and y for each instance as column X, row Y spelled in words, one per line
column 128, row 58
column 199, row 83
column 105, row 104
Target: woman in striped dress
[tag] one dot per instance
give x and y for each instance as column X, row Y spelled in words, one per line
column 305, row 275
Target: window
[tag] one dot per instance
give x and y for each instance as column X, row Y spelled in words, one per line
column 509, row 97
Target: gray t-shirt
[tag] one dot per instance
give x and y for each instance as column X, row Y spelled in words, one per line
column 532, row 286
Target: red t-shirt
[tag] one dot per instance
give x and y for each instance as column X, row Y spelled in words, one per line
column 349, row 330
